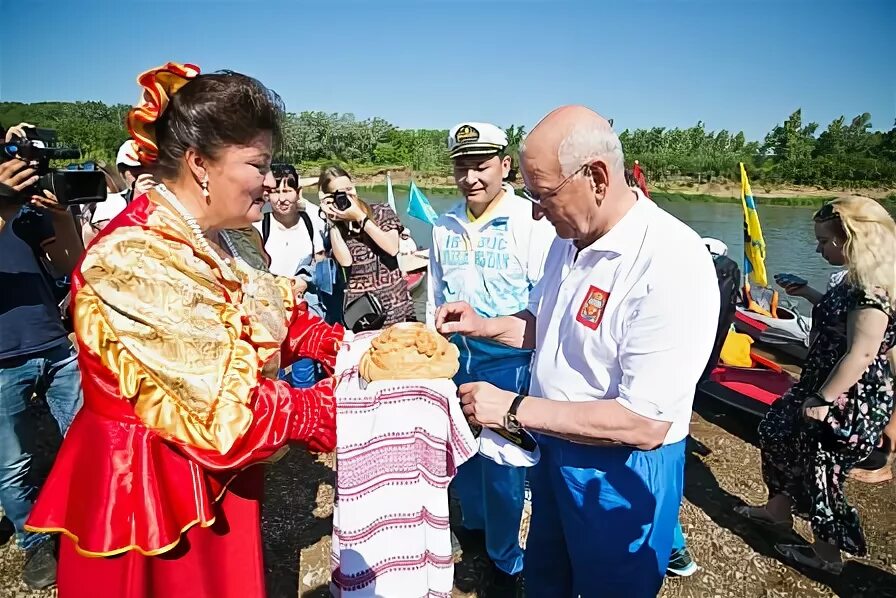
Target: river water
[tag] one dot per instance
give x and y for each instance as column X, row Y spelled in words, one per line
column 788, row 232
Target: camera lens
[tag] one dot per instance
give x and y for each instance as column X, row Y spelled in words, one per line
column 10, row 150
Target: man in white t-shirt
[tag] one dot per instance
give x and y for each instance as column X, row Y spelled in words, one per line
column 617, row 359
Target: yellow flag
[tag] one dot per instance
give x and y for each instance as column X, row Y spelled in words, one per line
column 754, row 243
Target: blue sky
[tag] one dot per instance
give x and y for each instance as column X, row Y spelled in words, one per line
column 736, row 65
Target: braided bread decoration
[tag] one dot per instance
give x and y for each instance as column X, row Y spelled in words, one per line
column 409, row 351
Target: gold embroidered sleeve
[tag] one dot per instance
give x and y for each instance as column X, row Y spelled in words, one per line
column 156, row 315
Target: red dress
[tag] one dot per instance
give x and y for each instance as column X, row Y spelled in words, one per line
column 157, row 486
column 640, row 179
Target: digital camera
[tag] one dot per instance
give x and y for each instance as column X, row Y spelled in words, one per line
column 341, row 201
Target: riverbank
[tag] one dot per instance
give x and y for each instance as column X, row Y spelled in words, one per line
column 725, row 192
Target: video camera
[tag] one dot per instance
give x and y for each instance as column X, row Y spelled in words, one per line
column 77, row 184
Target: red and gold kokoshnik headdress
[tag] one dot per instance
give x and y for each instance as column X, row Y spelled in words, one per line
column 158, row 84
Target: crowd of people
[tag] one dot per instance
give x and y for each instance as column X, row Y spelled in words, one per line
column 208, row 301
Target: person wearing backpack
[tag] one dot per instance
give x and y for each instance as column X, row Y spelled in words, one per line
column 293, row 239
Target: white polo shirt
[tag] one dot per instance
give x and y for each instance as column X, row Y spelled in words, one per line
column 633, row 318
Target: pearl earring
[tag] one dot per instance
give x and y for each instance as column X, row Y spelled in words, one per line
column 205, row 193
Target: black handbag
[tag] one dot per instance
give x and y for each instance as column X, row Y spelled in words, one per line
column 363, row 314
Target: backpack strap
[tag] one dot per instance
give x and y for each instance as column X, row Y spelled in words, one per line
column 266, row 227
column 307, row 220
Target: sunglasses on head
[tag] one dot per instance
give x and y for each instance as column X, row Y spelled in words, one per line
column 827, row 212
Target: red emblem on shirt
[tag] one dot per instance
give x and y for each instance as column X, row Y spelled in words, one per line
column 592, row 310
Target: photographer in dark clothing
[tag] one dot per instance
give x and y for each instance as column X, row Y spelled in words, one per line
column 39, row 243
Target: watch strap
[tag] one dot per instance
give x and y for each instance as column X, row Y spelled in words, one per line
column 515, row 404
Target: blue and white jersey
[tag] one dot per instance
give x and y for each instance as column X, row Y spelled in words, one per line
column 492, row 262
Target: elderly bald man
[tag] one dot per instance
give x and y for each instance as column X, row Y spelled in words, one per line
column 622, row 324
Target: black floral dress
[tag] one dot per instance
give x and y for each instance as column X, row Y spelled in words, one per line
column 808, row 460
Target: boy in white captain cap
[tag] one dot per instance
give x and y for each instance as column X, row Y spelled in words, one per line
column 137, row 176
column 138, row 181
column 489, row 252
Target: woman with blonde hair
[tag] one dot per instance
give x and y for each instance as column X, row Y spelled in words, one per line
column 834, row 416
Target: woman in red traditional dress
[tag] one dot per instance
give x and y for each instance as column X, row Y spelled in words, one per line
column 181, row 332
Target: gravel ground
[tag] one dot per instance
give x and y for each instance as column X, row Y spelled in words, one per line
column 736, row 559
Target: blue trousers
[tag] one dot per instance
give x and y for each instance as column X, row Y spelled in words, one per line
column 603, row 519
column 491, row 496
column 678, row 542
column 53, row 375
column 491, row 499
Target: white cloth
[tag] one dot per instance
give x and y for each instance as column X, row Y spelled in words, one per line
column 290, row 247
column 109, row 209
column 836, row 278
column 398, row 447
column 611, row 324
column 495, row 447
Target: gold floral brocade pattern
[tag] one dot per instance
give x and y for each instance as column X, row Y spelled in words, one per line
column 187, row 342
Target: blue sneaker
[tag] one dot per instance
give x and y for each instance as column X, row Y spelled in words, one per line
column 681, row 564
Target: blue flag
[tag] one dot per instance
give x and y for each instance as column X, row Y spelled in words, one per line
column 419, row 207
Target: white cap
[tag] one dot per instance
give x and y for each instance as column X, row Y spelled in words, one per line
column 467, row 139
column 127, row 154
column 715, row 246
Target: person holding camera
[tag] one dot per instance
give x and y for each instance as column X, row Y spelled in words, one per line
column 39, row 243
column 365, row 241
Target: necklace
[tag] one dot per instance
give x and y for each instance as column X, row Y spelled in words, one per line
column 223, row 263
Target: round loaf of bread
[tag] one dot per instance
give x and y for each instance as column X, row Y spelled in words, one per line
column 409, row 351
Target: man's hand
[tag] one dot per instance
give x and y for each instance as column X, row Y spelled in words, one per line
column 143, row 184
column 50, row 204
column 459, row 318
column 18, row 131
column 300, row 286
column 484, row 404
column 16, row 175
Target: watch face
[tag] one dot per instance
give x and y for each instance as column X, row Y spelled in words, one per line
column 511, row 423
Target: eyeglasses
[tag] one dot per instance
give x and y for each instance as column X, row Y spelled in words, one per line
column 539, row 200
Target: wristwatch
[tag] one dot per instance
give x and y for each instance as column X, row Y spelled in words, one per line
column 511, row 423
